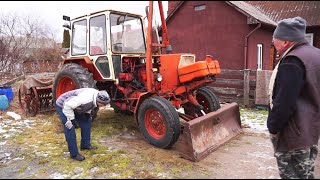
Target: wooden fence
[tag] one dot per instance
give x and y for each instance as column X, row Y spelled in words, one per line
column 236, row 86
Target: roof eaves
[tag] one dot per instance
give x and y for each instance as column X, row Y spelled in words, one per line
column 174, row 10
column 253, row 14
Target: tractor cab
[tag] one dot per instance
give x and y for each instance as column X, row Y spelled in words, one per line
column 105, row 37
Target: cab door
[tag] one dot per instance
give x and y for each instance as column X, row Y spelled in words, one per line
column 98, row 46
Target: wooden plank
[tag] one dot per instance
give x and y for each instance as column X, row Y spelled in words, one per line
column 237, row 100
column 231, row 72
column 238, row 72
column 234, row 82
column 252, row 84
column 252, row 93
column 253, row 72
column 227, row 90
column 233, row 99
column 231, row 91
column 239, row 77
column 229, row 81
column 246, row 87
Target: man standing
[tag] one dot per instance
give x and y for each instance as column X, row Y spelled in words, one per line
column 294, row 89
column 76, row 105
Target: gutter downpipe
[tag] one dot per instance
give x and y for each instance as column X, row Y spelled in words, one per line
column 246, row 45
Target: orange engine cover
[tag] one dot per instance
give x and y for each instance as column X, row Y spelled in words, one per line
column 198, row 69
column 168, row 70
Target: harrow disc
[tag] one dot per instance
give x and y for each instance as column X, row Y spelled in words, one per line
column 29, row 102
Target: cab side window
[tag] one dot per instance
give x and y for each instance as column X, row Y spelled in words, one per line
column 98, row 38
column 79, row 38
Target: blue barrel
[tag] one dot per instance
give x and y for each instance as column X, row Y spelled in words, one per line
column 4, row 104
column 7, row 90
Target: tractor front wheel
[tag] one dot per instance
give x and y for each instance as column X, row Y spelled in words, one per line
column 205, row 98
column 159, row 122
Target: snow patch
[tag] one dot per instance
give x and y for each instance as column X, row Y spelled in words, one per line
column 14, row 115
column 58, row 176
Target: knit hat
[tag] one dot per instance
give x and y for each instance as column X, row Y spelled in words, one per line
column 291, row 29
column 103, row 97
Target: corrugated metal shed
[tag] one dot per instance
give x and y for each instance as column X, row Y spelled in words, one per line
column 278, row 10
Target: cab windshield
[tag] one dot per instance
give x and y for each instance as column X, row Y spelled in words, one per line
column 127, row 34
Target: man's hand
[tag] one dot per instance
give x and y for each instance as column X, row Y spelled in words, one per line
column 68, row 124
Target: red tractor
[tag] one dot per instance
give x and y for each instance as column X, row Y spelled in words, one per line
column 111, row 50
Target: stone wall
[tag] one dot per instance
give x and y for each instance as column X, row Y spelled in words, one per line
column 262, row 86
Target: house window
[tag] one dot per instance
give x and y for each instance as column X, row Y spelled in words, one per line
column 260, row 56
column 199, row 7
column 309, row 38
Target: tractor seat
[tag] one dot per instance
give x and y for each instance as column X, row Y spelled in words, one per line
column 94, row 50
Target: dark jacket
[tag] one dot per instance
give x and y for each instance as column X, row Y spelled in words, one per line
column 296, row 117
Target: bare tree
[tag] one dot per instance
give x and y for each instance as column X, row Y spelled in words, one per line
column 20, row 38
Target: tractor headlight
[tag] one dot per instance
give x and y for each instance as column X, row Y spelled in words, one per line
column 143, row 60
column 158, row 77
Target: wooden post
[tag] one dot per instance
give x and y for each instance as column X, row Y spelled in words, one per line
column 246, row 86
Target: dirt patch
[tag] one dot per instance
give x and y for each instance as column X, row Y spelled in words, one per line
column 34, row 147
column 247, row 156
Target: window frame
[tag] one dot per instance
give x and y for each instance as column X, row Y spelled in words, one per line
column 259, row 56
column 309, row 37
column 199, row 7
column 86, row 38
column 105, row 35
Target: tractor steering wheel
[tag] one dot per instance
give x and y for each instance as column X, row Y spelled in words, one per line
column 117, row 46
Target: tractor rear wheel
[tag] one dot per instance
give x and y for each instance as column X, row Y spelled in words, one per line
column 205, row 98
column 72, row 76
column 159, row 122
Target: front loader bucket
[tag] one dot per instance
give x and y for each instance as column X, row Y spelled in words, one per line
column 203, row 135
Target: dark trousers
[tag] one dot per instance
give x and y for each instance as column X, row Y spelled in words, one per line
column 70, row 134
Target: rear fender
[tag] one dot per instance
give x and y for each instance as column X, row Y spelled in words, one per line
column 86, row 62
